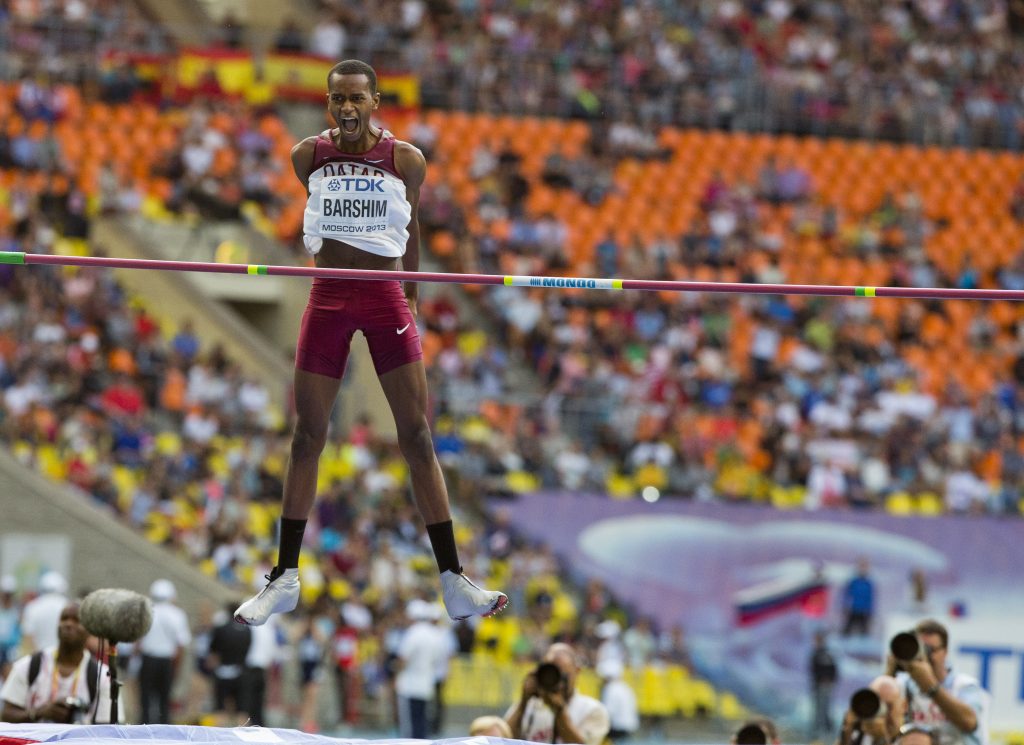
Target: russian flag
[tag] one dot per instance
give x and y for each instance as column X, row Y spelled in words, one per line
column 808, row 594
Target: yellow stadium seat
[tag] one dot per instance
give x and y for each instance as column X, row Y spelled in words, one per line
column 655, row 697
column 899, row 503
column 929, row 504
column 620, row 486
column 729, row 707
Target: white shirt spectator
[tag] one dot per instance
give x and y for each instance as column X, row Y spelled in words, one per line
column 49, row 685
column 964, row 489
column 449, row 647
column 328, row 39
column 832, row 416
column 826, row 484
column 875, row 475
column 587, row 714
column 253, row 397
column 572, row 465
column 640, row 645
column 420, row 651
column 620, row 701
column 40, row 618
column 20, row 397
column 200, row 428
column 168, row 634
column 264, row 646
column 765, row 345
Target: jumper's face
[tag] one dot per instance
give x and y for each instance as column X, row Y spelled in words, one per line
column 350, row 103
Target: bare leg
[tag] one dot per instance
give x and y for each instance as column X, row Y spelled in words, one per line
column 314, row 398
column 406, row 390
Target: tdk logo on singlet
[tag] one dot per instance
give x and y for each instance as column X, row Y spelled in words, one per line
column 356, row 184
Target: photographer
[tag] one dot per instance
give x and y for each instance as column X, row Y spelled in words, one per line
column 58, row 684
column 952, row 704
column 551, row 710
column 874, row 720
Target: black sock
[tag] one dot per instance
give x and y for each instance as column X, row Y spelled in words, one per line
column 442, row 540
column 291, row 543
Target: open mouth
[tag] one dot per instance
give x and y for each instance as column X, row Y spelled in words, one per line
column 349, row 125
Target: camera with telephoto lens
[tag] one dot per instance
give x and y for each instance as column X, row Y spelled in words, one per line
column 866, row 704
column 549, row 678
column 906, row 646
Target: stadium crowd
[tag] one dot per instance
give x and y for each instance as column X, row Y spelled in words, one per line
column 928, row 72
column 814, row 404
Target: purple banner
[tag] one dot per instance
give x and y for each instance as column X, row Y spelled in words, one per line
column 698, row 564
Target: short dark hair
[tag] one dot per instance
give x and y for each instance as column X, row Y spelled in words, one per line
column 759, row 731
column 931, row 626
column 354, row 67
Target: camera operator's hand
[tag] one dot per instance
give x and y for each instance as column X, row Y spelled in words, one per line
column 55, row 711
column 922, row 673
column 555, row 700
column 875, row 728
column 892, row 666
column 529, row 687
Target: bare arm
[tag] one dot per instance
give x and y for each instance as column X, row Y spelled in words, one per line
column 515, row 717
column 52, row 712
column 412, row 167
column 302, row 160
column 15, row 714
column 959, row 713
column 565, row 730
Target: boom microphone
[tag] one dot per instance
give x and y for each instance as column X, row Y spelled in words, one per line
column 116, row 615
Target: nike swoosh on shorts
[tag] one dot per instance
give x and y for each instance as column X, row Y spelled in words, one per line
column 402, row 330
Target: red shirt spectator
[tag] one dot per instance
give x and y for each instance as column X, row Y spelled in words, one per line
column 123, row 397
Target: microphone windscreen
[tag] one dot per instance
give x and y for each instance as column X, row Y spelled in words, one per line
column 116, row 615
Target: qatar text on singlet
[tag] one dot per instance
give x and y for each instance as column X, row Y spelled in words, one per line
column 358, row 199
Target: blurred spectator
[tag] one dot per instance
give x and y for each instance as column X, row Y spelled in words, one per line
column 824, row 673
column 10, row 623
column 620, row 701
column 162, row 649
column 290, row 37
column 226, row 655
column 419, row 655
column 309, row 648
column 490, row 726
column 40, row 619
column 859, row 601
column 559, row 714
column 448, row 644
column 43, row 684
column 232, row 31
column 952, row 703
column 327, row 39
column 263, row 655
column 640, row 643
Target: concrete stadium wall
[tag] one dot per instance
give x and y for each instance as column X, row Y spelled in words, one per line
column 104, row 552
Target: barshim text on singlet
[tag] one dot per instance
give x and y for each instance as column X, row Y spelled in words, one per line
column 352, row 200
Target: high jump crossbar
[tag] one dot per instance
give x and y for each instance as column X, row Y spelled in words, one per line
column 742, row 288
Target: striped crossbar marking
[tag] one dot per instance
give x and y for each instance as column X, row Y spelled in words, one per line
column 564, row 282
column 865, row 292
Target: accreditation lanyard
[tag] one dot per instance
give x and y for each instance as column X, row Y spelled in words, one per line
column 56, row 680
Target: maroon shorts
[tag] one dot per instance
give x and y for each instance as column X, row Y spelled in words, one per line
column 338, row 308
